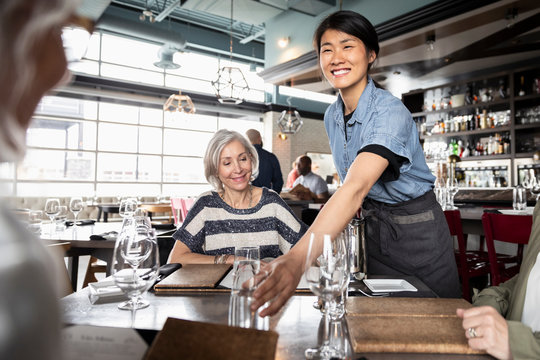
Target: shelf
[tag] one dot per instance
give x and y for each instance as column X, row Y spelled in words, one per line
column 481, row 105
column 526, row 97
column 528, row 126
column 524, row 155
column 486, row 157
column 467, row 133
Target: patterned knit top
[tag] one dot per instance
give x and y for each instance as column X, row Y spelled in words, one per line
column 213, row 227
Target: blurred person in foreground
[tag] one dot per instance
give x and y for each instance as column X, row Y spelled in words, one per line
column 505, row 319
column 32, row 62
column 236, row 213
column 269, row 169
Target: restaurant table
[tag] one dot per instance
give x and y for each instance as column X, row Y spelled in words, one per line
column 107, row 209
column 298, row 323
column 81, row 244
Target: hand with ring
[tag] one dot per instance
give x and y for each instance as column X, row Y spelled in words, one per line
column 486, row 330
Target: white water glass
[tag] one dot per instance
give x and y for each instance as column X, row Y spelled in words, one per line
column 35, row 219
column 246, row 266
column 327, row 273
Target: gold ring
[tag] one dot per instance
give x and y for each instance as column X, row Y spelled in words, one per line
column 472, row 332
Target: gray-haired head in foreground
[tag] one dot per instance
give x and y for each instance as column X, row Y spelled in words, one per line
column 211, row 159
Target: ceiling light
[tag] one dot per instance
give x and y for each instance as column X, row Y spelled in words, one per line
column 179, row 103
column 231, row 85
column 430, row 42
column 283, row 42
column 289, row 121
column 147, row 14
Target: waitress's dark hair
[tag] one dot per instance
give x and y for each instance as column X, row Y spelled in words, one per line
column 352, row 23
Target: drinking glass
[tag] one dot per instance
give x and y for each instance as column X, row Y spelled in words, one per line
column 327, row 273
column 52, row 208
column 75, row 206
column 519, row 198
column 35, row 218
column 61, row 218
column 246, row 265
column 535, row 187
column 451, row 191
column 135, row 265
column 127, row 207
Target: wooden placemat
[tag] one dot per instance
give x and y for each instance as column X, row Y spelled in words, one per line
column 193, row 276
column 190, row 340
column 409, row 325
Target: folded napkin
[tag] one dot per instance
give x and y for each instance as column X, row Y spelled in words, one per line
column 104, row 292
column 81, row 222
column 109, row 235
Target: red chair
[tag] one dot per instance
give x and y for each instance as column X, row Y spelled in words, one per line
column 470, row 263
column 515, row 229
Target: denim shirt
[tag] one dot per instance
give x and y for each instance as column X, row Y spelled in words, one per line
column 380, row 119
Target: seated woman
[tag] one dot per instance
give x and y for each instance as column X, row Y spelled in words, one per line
column 237, row 213
column 505, row 321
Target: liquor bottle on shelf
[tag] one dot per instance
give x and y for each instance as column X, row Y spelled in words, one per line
column 522, row 86
column 502, row 89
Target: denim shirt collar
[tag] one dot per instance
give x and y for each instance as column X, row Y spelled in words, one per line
column 363, row 106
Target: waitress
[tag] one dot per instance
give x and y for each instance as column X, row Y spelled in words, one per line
column 378, row 156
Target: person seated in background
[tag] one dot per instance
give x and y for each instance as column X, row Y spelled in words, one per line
column 293, row 175
column 505, row 319
column 269, row 169
column 236, row 213
column 318, row 189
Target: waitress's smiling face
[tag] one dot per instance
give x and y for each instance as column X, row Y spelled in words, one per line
column 344, row 60
column 235, row 166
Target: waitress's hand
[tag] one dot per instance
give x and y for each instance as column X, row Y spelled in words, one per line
column 491, row 331
column 279, row 282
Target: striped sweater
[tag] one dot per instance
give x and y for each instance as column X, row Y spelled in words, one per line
column 213, row 227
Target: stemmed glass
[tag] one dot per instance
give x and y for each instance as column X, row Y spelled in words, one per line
column 327, row 273
column 127, row 207
column 451, row 191
column 135, row 265
column 75, row 206
column 52, row 208
column 535, row 187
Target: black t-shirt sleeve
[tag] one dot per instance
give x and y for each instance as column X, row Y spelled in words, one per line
column 391, row 173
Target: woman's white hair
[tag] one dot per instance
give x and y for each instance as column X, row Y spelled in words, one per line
column 211, row 159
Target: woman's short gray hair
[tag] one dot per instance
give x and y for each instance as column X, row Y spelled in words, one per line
column 211, row 159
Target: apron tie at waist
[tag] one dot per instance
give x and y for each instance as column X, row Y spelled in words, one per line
column 382, row 221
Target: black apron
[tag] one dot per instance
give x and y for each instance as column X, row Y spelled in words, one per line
column 412, row 238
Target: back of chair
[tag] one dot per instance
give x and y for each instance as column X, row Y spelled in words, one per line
column 177, row 205
column 515, row 229
column 187, row 203
column 453, row 218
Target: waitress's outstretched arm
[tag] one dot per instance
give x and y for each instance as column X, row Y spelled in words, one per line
column 285, row 272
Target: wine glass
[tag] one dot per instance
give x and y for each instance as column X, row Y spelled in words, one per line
column 75, row 206
column 327, row 273
column 127, row 207
column 451, row 191
column 135, row 265
column 52, row 208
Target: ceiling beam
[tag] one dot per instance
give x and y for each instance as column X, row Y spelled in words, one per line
column 252, row 37
column 167, row 11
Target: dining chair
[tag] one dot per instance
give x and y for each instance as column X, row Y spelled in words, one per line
column 177, row 206
column 187, row 204
column 471, row 263
column 514, row 229
column 94, row 266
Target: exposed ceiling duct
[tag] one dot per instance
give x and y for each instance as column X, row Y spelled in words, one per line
column 166, row 53
column 143, row 30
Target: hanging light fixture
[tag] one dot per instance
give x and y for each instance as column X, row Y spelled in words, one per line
column 289, row 121
column 231, row 85
column 179, row 103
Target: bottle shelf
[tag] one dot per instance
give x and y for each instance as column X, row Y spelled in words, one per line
column 467, row 133
column 480, row 105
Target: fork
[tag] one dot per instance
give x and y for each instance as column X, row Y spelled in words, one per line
column 353, row 290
